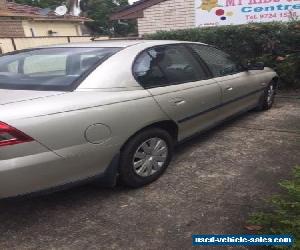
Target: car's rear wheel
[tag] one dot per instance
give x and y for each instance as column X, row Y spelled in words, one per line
column 267, row 99
column 145, row 157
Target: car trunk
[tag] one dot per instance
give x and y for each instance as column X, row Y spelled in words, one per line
column 8, row 96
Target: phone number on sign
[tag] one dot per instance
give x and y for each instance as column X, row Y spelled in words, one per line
column 272, row 15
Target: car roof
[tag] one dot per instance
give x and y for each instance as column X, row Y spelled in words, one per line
column 114, row 43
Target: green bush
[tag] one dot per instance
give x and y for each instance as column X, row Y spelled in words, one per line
column 277, row 44
column 284, row 214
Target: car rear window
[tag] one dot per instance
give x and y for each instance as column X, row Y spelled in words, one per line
column 50, row 68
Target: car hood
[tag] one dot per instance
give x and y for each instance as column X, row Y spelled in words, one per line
column 8, row 96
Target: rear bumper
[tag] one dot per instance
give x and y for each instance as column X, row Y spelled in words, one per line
column 47, row 172
column 26, row 174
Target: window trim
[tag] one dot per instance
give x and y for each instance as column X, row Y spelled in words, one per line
column 168, row 82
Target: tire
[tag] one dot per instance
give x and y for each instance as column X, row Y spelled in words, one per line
column 139, row 167
column 267, row 100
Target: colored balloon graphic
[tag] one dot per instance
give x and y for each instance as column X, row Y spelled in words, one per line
column 220, row 12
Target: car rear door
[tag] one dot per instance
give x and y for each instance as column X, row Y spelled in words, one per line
column 180, row 86
column 240, row 88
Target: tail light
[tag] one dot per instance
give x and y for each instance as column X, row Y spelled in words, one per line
column 12, row 136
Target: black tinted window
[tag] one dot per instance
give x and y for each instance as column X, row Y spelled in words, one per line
column 49, row 68
column 167, row 65
column 218, row 61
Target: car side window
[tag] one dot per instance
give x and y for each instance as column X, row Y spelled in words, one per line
column 147, row 72
column 167, row 65
column 219, row 62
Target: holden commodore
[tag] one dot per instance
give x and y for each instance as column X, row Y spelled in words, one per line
column 113, row 110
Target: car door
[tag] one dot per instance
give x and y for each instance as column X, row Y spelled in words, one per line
column 180, row 86
column 241, row 89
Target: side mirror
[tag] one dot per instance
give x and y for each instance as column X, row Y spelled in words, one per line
column 256, row 66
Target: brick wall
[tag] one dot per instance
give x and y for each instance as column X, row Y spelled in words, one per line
column 168, row 15
column 11, row 28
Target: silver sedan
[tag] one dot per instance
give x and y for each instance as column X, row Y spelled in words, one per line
column 113, row 110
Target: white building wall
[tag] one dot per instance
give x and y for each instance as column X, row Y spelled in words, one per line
column 168, row 15
column 41, row 28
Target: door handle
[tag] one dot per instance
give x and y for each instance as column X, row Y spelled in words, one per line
column 178, row 101
column 229, row 88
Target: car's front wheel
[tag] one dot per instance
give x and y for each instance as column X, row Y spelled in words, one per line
column 145, row 157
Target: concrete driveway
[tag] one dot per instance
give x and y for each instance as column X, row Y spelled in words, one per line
column 212, row 185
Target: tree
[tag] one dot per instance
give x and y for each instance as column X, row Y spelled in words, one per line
column 100, row 10
column 41, row 3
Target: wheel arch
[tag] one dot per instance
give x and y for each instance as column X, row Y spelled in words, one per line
column 168, row 125
column 275, row 80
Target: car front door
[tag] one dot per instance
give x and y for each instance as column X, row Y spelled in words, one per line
column 180, row 86
column 241, row 88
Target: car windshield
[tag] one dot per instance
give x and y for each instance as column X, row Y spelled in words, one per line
column 49, row 68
